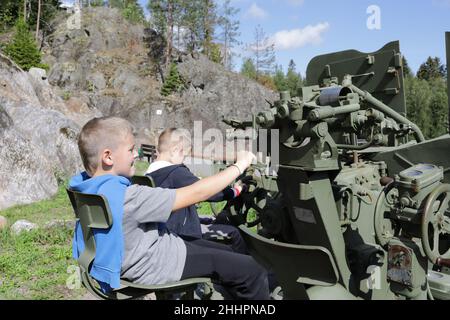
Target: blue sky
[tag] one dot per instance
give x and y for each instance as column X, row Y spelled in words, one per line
column 302, row 29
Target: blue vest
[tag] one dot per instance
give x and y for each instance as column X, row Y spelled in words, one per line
column 109, row 243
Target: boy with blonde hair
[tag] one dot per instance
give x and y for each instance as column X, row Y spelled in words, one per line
column 169, row 171
column 137, row 247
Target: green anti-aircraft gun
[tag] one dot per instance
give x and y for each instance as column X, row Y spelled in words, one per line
column 358, row 203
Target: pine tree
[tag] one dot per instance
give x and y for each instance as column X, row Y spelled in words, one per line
column 133, row 12
column 263, row 53
column 229, row 32
column 431, row 69
column 209, row 19
column 173, row 82
column 165, row 15
column 22, row 49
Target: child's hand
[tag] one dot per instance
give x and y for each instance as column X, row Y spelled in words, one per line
column 239, row 186
column 245, row 159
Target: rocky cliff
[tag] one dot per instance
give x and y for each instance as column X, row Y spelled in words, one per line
column 100, row 69
column 104, row 64
column 37, row 137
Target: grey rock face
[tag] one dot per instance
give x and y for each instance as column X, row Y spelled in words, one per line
column 215, row 92
column 37, row 138
column 107, row 61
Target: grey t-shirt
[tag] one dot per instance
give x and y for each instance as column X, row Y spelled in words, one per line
column 151, row 256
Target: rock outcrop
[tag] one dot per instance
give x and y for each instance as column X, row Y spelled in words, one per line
column 37, row 137
column 105, row 64
column 101, row 69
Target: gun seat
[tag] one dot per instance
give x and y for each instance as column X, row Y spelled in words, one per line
column 294, row 265
column 93, row 212
column 143, row 181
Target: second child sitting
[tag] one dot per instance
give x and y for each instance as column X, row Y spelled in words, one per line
column 168, row 171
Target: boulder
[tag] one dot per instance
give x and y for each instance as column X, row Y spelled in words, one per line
column 38, row 73
column 37, row 138
column 22, row 225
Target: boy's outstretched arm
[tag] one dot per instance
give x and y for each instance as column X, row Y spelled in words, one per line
column 204, row 189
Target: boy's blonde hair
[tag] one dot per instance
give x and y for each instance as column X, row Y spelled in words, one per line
column 173, row 137
column 99, row 134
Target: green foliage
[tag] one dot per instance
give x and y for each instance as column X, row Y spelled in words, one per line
column 66, row 95
column 438, row 108
column 173, row 82
column 431, row 69
column 214, row 53
column 280, row 79
column 141, row 167
column 23, row 49
column 248, row 69
column 49, row 9
column 34, row 264
column 6, row 19
column 96, row 3
column 427, row 106
column 9, row 13
column 294, row 80
column 407, row 72
column 134, row 13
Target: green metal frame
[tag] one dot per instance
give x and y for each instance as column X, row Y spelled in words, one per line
column 143, row 181
column 93, row 212
column 296, row 266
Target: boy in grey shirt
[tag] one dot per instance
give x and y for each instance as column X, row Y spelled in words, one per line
column 140, row 248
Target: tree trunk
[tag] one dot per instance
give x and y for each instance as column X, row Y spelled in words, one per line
column 169, row 32
column 38, row 19
column 25, row 10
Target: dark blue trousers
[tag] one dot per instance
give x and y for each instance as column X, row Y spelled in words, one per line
column 239, row 274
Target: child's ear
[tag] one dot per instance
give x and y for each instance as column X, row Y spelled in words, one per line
column 107, row 157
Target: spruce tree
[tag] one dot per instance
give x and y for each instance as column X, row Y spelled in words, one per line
column 431, row 69
column 23, row 49
column 173, row 81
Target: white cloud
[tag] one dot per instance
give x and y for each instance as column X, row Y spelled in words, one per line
column 296, row 38
column 256, row 12
column 296, row 3
column 441, row 3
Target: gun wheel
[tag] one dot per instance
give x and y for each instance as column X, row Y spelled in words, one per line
column 436, row 225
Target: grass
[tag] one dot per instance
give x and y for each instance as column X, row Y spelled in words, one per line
column 38, row 264
column 33, row 265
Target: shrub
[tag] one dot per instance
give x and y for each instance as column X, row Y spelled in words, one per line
column 23, row 49
column 173, row 82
